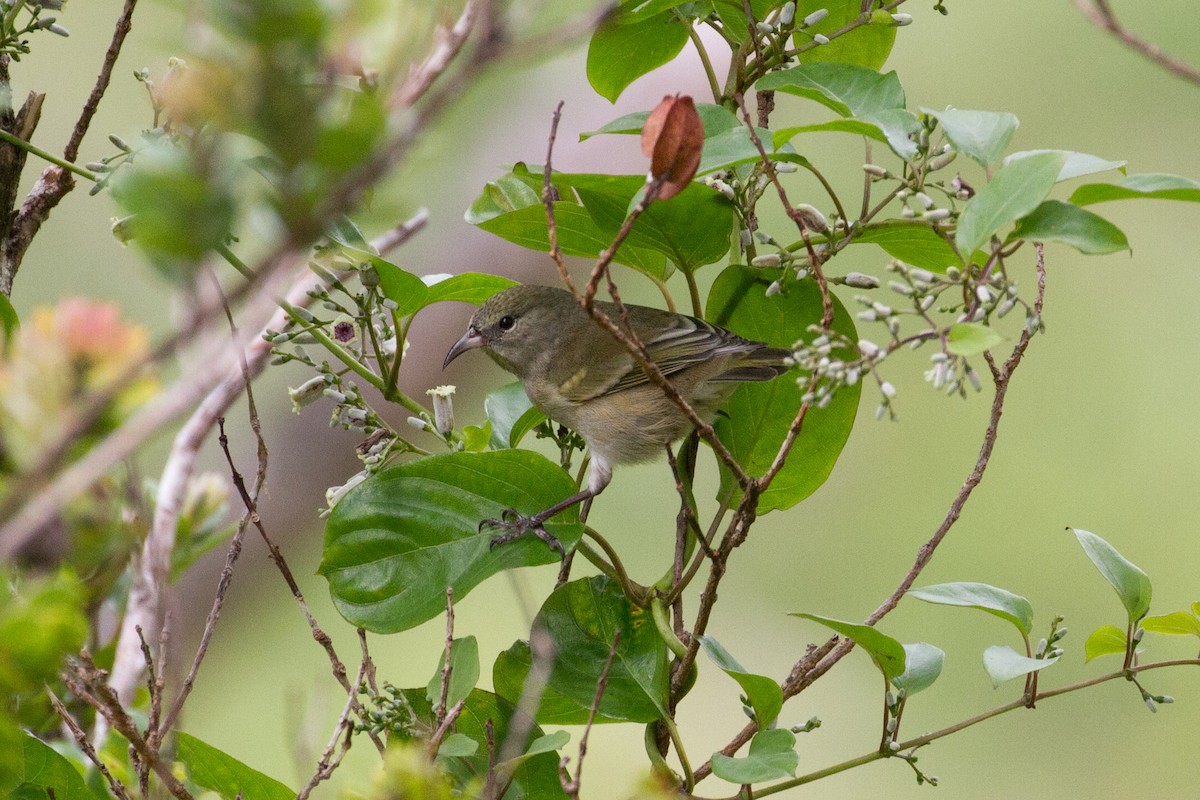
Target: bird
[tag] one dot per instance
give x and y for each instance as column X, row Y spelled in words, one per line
column 579, row 375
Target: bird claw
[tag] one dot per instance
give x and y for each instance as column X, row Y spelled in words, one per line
column 516, row 525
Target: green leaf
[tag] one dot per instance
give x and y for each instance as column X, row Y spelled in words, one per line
column 1003, row 664
column 971, row 338
column 764, row 694
column 476, row 437
column 848, row 90
column 40, row 768
column 582, row 619
column 623, row 50
column 464, row 672
column 1105, row 640
column 772, row 755
column 511, row 414
column 406, row 290
column 9, row 323
column 1076, row 165
column 549, row 743
column 980, row 135
column 922, row 666
column 715, row 119
column 457, row 745
column 468, row 287
column 521, row 219
column 398, row 539
column 222, row 773
column 914, row 243
column 1150, row 186
column 508, row 676
column 1177, row 623
column 894, row 127
column 1014, row 191
column 41, row 621
column 735, row 147
column 887, row 653
column 691, row 229
column 866, row 46
column 1132, row 585
column 993, row 600
column 757, row 416
column 1056, row 221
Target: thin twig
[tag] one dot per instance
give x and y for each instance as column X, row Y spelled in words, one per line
column 343, row 730
column 1101, row 15
column 439, row 714
column 85, row 746
column 570, row 784
column 90, row 106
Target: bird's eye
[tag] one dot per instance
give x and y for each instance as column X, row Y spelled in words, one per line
column 506, row 322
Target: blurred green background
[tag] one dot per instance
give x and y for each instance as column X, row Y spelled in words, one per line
column 1099, row 431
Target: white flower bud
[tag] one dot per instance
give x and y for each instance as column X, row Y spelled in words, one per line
column 774, row 289
column 918, row 274
column 335, row 493
column 307, row 392
column 983, row 293
column 443, row 408
column 766, row 260
column 859, row 280
column 876, row 170
column 868, row 348
column 936, row 215
column 820, row 38
column 888, row 390
column 787, row 13
column 902, row 19
column 924, row 199
column 812, row 217
column 815, row 17
column 417, row 422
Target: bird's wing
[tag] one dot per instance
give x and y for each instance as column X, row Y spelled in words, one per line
column 685, row 342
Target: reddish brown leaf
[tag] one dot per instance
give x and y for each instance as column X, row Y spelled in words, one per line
column 673, row 138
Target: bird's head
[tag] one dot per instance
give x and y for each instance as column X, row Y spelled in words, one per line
column 514, row 325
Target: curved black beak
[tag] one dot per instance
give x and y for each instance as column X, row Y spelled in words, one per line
column 470, row 340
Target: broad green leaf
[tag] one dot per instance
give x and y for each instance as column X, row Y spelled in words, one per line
column 468, row 287
column 406, row 290
column 866, row 46
column 640, row 9
column 895, row 127
column 464, row 672
column 1105, row 640
column 914, row 243
column 1150, row 186
column 691, row 229
column 764, row 694
column 887, row 653
column 549, row 743
column 39, row 769
column 621, row 51
column 582, row 619
column 993, row 600
column 533, row 778
column 971, row 338
column 457, row 745
column 1131, row 583
column 772, row 755
column 735, row 147
column 578, row 235
column 509, row 192
column 716, row 119
column 1056, row 221
column 849, row 90
column 733, row 17
column 1076, row 165
column 508, row 676
column 1003, row 664
column 222, row 773
column 477, row 437
column 1177, row 623
column 511, row 414
column 398, row 539
column 1014, row 191
column 757, row 416
column 9, row 323
column 922, row 666
column 980, row 135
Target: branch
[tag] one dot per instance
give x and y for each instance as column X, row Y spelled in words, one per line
column 1101, row 15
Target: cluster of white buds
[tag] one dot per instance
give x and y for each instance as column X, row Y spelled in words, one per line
column 335, row 493
column 375, row 451
column 952, row 374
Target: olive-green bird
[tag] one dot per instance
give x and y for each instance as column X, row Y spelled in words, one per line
column 578, row 375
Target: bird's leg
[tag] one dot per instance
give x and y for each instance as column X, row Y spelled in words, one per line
column 515, row 524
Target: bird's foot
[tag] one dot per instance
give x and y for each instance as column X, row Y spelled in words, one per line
column 516, row 525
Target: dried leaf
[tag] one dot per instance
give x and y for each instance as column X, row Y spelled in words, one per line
column 673, row 138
